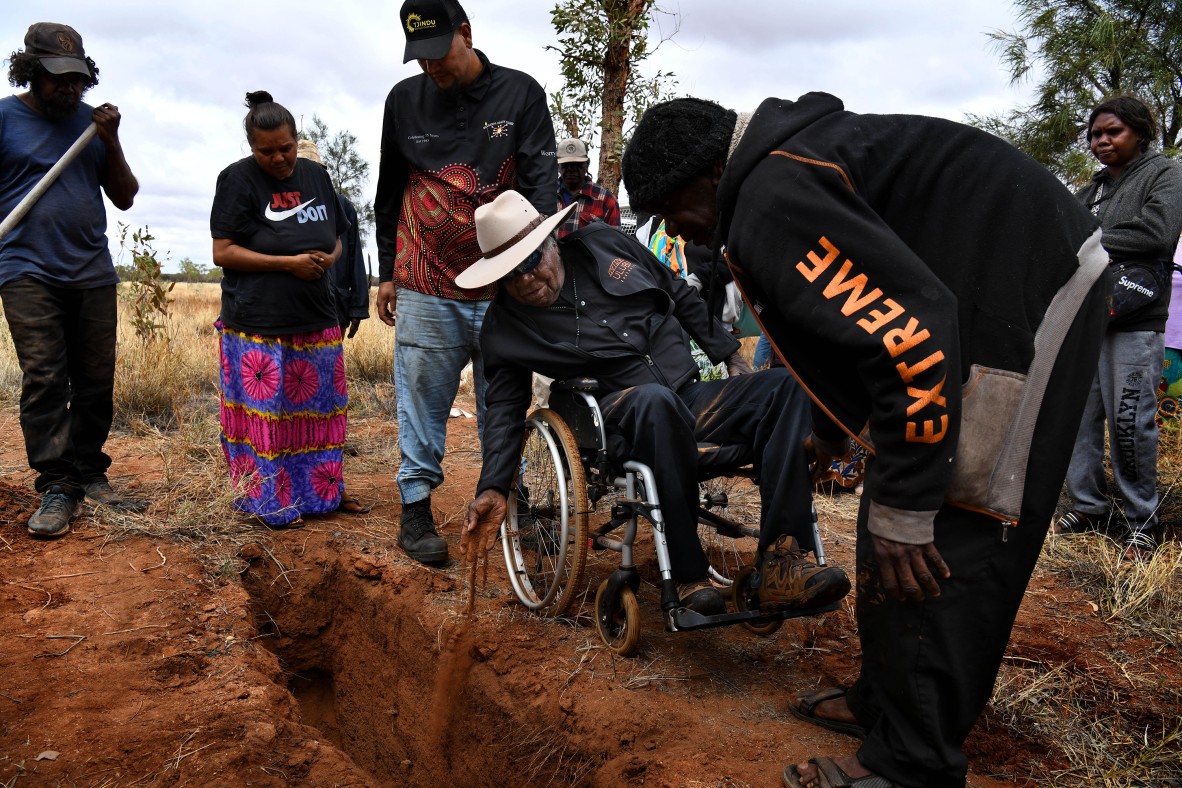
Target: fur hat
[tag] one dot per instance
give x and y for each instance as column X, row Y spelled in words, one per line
column 675, row 142
column 508, row 230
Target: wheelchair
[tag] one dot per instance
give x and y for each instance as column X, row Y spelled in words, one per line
column 564, row 473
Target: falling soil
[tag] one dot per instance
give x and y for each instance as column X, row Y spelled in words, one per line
column 323, row 656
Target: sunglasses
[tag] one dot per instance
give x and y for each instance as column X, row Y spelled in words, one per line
column 525, row 266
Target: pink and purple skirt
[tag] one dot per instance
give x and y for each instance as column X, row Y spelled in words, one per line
column 283, row 416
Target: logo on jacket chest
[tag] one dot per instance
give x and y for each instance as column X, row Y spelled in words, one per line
column 498, row 129
column 619, row 269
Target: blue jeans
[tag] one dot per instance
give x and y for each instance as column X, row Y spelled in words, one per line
column 433, row 341
column 1123, row 395
column 763, row 352
column 65, row 342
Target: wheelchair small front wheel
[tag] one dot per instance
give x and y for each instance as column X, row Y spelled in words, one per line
column 618, row 619
column 745, row 598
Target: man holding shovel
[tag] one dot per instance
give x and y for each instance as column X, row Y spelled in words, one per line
column 57, row 279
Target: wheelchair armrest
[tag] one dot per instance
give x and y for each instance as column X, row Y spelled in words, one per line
column 589, row 385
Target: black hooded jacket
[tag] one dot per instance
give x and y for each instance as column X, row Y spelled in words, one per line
column 915, row 247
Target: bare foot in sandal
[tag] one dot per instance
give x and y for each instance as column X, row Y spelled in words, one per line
column 824, row 772
column 352, row 506
column 828, row 709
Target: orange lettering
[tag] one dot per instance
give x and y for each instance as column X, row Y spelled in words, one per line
column 819, row 265
column 928, row 434
column 924, row 397
column 899, row 340
column 880, row 319
column 908, row 373
column 855, row 300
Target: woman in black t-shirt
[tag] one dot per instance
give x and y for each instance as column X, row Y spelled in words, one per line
column 275, row 228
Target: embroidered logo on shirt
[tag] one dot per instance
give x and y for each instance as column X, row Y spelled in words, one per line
column 619, row 269
column 498, row 129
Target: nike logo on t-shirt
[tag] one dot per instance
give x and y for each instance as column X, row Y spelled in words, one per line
column 278, row 216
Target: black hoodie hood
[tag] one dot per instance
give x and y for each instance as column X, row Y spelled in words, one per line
column 773, row 123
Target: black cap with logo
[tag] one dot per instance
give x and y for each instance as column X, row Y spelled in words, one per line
column 58, row 47
column 429, row 26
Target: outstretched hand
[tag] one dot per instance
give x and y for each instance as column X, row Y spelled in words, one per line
column 483, row 522
column 909, row 571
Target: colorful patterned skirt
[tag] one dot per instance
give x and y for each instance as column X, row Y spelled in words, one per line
column 283, row 416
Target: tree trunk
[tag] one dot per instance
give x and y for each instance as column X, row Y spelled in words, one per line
column 617, row 69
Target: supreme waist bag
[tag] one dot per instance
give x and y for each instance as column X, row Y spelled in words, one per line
column 1135, row 285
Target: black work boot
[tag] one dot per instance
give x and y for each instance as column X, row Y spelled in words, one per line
column 418, row 536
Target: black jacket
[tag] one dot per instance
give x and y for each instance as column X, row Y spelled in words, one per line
column 908, row 248
column 642, row 314
column 446, row 152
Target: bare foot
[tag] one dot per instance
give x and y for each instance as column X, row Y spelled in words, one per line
column 848, row 764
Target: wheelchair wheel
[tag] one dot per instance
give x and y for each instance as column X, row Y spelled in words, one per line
column 746, row 598
column 544, row 536
column 728, row 545
column 619, row 624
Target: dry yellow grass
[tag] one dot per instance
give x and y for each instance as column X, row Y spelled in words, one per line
column 172, row 378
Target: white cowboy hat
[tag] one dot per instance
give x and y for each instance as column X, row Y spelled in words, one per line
column 508, row 229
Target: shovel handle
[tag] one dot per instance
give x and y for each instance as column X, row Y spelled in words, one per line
column 18, row 213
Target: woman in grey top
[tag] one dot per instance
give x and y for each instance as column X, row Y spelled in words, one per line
column 1137, row 198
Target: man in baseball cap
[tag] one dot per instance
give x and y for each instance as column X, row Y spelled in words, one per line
column 597, row 304
column 58, row 48
column 594, row 202
column 57, row 279
column 453, row 138
column 429, row 26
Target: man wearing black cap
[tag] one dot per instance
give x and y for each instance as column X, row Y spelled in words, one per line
column 453, row 138
column 892, row 259
column 57, row 279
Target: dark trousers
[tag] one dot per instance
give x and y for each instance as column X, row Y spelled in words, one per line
column 766, row 414
column 65, row 343
column 928, row 667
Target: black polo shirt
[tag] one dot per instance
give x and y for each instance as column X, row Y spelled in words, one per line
column 445, row 152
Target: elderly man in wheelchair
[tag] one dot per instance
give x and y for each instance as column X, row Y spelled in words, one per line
column 598, row 305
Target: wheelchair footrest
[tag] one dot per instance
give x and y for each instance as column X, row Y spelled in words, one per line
column 682, row 618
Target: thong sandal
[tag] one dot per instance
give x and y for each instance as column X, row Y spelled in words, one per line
column 352, row 506
column 805, row 708
column 830, row 775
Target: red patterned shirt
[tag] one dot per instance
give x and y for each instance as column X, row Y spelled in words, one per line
column 445, row 153
column 596, row 204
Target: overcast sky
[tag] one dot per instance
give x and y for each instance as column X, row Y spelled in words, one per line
column 179, row 71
